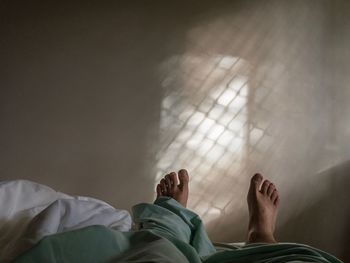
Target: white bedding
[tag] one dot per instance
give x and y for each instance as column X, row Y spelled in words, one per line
column 29, row 211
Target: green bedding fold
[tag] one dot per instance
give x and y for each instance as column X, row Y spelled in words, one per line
column 167, row 232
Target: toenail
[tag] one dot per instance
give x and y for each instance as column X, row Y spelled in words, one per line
column 257, row 177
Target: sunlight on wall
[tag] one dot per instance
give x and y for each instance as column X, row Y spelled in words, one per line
column 203, row 126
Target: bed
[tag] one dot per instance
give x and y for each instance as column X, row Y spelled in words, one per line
column 30, row 211
column 39, row 224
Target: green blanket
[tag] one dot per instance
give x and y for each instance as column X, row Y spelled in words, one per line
column 167, row 233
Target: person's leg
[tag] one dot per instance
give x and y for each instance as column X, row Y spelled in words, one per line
column 170, row 218
column 263, row 201
column 169, row 187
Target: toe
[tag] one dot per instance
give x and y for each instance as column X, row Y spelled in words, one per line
column 255, row 182
column 257, row 179
column 274, row 196
column 173, row 180
column 277, row 201
column 163, row 187
column 265, row 186
column 183, row 178
column 168, row 184
column 159, row 191
column 270, row 189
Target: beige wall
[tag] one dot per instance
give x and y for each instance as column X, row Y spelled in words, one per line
column 79, row 96
column 97, row 99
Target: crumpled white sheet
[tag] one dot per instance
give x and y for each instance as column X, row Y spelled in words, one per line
column 29, row 211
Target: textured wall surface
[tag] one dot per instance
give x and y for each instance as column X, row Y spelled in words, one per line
column 102, row 99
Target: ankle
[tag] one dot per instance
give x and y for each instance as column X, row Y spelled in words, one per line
column 260, row 237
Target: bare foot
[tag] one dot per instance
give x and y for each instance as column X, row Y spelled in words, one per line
column 262, row 204
column 169, row 186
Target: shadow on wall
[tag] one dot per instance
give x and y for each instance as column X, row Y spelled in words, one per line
column 282, row 112
column 326, row 221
